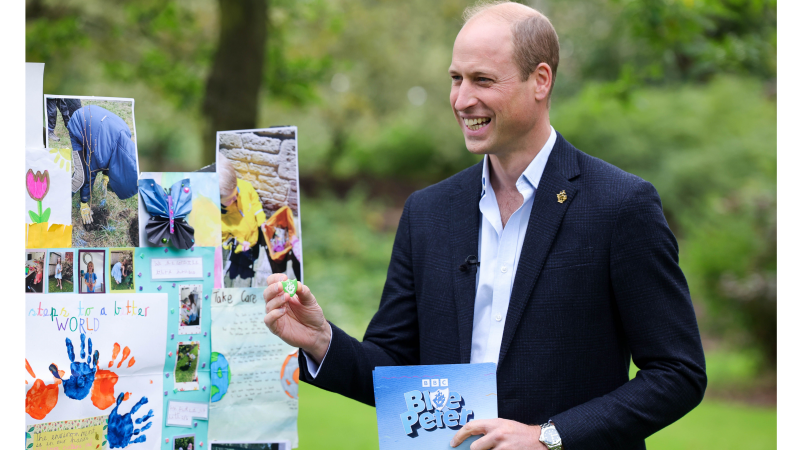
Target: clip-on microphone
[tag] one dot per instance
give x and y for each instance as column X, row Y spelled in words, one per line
column 471, row 260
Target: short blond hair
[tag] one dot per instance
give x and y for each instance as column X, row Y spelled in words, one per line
column 535, row 39
column 227, row 176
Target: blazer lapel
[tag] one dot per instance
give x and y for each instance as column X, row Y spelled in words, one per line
column 464, row 223
column 543, row 225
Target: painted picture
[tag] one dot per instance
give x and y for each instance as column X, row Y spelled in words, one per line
column 91, row 278
column 59, row 271
column 34, row 271
column 191, row 306
column 97, row 136
column 121, row 263
column 184, row 442
column 48, row 221
column 95, row 370
column 260, row 204
column 201, row 211
column 186, row 362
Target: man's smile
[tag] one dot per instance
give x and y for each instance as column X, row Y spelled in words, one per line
column 477, row 123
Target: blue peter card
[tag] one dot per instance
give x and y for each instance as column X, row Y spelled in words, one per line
column 422, row 407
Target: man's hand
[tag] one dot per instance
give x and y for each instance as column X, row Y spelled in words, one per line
column 500, row 434
column 245, row 246
column 86, row 213
column 297, row 320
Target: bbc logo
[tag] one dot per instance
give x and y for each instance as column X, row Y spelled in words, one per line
column 434, row 382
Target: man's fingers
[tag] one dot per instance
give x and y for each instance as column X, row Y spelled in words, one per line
column 304, row 295
column 470, row 429
column 487, row 442
column 276, row 302
column 271, row 319
column 276, row 277
column 272, row 291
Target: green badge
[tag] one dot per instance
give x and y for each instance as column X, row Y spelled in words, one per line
column 289, row 286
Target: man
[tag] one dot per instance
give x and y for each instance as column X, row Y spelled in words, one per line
column 67, row 106
column 103, row 142
column 577, row 273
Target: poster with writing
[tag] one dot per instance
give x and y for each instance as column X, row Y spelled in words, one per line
column 98, row 355
column 254, row 374
column 184, row 268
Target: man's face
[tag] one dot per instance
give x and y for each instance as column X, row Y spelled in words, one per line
column 495, row 109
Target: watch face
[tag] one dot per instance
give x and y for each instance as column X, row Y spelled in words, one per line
column 550, row 436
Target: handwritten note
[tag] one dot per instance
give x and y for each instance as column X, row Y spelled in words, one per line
column 176, row 268
column 181, row 414
column 260, row 403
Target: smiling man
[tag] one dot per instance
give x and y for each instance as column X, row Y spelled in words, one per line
column 557, row 266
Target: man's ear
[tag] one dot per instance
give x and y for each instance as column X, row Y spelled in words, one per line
column 542, row 78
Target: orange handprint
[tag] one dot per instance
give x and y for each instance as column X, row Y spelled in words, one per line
column 103, row 388
column 41, row 398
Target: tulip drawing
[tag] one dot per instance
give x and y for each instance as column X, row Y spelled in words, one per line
column 38, row 185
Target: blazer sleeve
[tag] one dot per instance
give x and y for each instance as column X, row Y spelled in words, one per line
column 392, row 337
column 659, row 324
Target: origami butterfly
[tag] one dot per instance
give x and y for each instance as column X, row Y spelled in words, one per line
column 168, row 211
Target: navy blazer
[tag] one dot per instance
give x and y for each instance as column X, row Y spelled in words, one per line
column 597, row 283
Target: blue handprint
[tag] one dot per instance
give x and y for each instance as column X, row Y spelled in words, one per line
column 82, row 373
column 120, row 428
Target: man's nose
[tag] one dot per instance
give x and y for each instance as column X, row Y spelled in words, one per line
column 465, row 97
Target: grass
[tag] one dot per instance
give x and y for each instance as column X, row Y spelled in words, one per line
column 68, row 287
column 325, row 418
column 120, row 214
column 120, row 287
column 187, row 375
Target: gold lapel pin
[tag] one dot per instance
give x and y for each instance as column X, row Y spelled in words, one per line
column 562, row 197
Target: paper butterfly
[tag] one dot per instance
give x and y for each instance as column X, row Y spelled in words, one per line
column 168, row 211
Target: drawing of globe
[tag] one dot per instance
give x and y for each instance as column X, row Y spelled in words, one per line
column 290, row 375
column 220, row 376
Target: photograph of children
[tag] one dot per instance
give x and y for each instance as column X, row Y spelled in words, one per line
column 191, row 305
column 59, row 271
column 283, row 445
column 259, row 199
column 183, row 442
column 186, row 362
column 98, row 135
column 92, row 269
column 34, row 271
column 121, row 264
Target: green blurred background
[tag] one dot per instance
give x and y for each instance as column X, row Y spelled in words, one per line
column 680, row 92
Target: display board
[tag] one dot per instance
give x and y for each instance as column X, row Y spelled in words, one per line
column 122, row 276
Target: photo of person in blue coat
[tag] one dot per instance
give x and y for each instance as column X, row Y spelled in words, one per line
column 105, row 170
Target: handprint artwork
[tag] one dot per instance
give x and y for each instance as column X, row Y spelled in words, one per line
column 105, row 380
column 121, row 429
column 108, row 371
column 41, row 398
column 81, row 373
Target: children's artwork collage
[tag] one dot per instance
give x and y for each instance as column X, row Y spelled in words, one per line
column 144, row 290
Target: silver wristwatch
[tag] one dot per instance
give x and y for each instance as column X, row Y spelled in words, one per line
column 550, row 437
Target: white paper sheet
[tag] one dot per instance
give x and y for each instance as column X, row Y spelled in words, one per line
column 57, row 199
column 34, row 90
column 181, row 414
column 137, row 323
column 261, row 399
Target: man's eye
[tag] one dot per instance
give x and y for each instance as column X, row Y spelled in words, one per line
column 483, row 80
column 455, row 78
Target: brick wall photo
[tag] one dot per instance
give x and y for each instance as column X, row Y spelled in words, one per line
column 267, row 158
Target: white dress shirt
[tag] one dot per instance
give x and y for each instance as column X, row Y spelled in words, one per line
column 498, row 252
